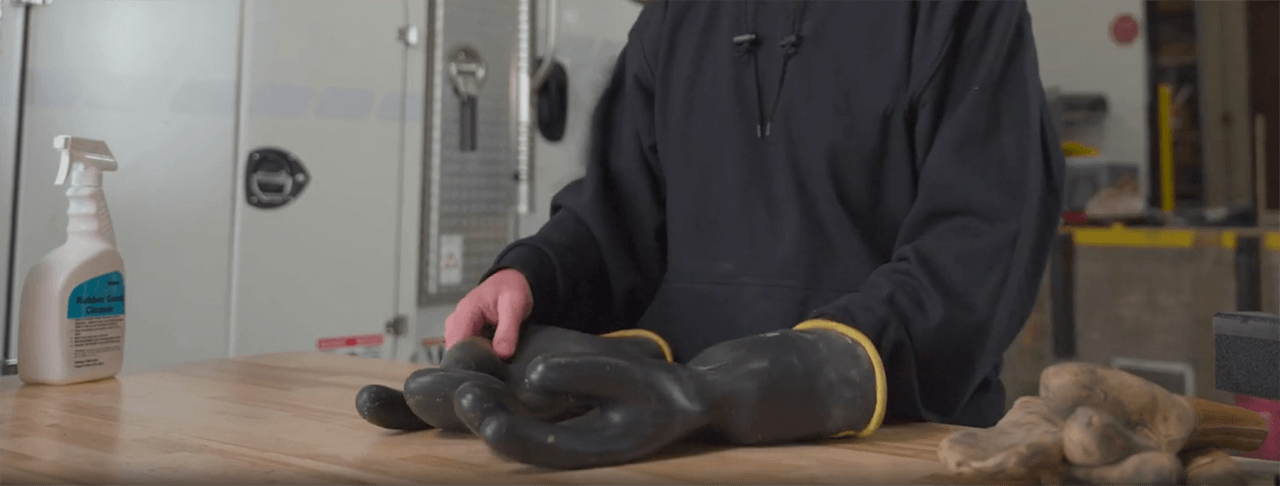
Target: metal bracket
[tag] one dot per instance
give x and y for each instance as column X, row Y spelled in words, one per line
column 398, row 325
column 10, row 367
column 410, row 36
column 30, row 3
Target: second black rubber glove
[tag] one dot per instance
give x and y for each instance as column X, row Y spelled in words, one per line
column 819, row 380
column 428, row 397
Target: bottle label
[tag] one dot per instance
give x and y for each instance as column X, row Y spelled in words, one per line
column 96, row 312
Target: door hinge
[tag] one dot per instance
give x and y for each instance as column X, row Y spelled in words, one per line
column 398, row 325
column 10, row 367
column 409, row 35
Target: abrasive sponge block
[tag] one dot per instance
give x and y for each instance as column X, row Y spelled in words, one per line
column 1247, row 353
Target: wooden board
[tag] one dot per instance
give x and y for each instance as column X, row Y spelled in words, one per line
column 290, row 418
column 1226, row 119
column 1264, row 98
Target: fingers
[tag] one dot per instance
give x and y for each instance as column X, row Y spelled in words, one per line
column 641, row 407
column 586, row 375
column 474, row 354
column 429, row 394
column 1151, row 467
column 1026, row 442
column 592, row 440
column 465, row 321
column 1213, row 467
column 503, row 298
column 386, row 408
column 1091, row 437
column 511, row 308
column 478, row 402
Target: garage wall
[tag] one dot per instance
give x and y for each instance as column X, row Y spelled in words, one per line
column 592, row 33
column 127, row 76
column 163, row 84
column 11, row 30
column 1078, row 55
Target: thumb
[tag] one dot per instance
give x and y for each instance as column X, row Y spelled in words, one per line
column 589, row 374
column 511, row 313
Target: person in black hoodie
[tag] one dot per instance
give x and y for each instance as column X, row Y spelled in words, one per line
column 764, row 171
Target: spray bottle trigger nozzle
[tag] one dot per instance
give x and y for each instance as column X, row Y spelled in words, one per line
column 63, row 167
column 93, row 153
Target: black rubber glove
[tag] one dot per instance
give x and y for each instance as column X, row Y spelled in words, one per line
column 816, row 381
column 428, row 397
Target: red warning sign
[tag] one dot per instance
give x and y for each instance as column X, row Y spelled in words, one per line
column 325, row 344
column 1124, row 29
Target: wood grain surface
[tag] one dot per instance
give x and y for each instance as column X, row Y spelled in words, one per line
column 290, row 418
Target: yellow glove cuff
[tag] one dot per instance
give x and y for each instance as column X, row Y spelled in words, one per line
column 647, row 334
column 882, row 388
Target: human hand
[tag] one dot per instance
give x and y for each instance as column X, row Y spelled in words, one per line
column 505, row 299
column 1096, row 424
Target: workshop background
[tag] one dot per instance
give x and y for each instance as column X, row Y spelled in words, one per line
column 429, row 139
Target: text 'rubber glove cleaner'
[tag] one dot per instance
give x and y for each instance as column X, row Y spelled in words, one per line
column 71, row 325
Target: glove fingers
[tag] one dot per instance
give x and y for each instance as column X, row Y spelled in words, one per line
column 1091, row 437
column 1026, row 442
column 467, row 320
column 474, row 354
column 429, row 393
column 512, row 310
column 599, row 376
column 1150, row 467
column 1213, row 467
column 590, row 440
column 385, row 407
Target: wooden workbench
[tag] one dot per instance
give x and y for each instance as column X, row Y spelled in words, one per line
column 290, row 418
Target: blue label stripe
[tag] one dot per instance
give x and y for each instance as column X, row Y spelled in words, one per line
column 97, row 297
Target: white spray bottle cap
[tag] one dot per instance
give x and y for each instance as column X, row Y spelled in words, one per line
column 84, row 160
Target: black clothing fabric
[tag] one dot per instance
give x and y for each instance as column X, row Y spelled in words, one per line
column 888, row 165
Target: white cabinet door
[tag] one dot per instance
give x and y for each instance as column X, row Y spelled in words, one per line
column 156, row 80
column 323, row 80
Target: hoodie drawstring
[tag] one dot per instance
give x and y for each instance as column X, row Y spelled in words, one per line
column 749, row 44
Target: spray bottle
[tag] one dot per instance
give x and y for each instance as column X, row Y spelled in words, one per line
column 71, row 323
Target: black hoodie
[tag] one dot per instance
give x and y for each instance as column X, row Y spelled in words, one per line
column 887, row 165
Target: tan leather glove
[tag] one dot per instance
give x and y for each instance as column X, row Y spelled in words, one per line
column 1100, row 425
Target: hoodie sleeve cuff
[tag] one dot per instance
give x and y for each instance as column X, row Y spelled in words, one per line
column 539, row 270
column 882, row 387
